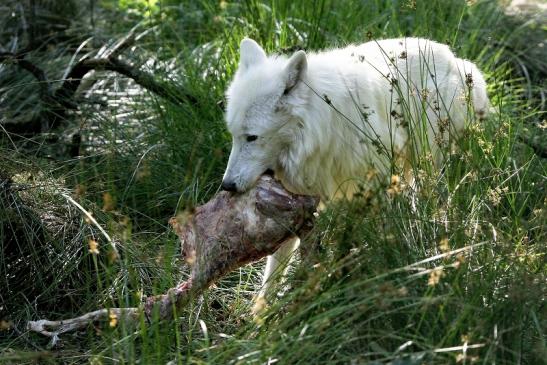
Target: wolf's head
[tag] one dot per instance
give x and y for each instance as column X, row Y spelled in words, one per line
column 258, row 115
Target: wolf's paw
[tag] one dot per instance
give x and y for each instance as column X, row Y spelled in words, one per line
column 259, row 308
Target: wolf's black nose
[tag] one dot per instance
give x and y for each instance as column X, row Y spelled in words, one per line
column 228, row 186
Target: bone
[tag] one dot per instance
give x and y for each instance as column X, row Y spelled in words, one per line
column 232, row 230
column 227, row 232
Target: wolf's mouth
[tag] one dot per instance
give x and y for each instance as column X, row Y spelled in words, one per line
column 269, row 172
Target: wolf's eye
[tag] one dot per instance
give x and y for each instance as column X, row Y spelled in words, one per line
column 251, row 138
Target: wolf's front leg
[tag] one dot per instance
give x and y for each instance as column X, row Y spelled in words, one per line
column 276, row 268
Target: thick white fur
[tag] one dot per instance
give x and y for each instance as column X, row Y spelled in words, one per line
column 315, row 115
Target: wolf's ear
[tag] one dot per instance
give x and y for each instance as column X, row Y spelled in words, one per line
column 250, row 53
column 295, row 70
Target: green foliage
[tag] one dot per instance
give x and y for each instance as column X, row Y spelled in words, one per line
column 144, row 8
column 452, row 273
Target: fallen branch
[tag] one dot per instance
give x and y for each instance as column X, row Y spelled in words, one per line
column 57, row 102
column 228, row 232
column 67, row 90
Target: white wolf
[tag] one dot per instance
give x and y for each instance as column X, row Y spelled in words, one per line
column 321, row 121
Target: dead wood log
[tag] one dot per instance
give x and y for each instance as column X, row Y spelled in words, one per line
column 228, row 232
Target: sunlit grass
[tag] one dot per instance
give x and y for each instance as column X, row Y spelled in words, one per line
column 453, row 272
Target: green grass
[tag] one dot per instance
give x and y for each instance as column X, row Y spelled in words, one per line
column 459, row 279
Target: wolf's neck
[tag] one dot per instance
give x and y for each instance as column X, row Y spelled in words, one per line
column 332, row 152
